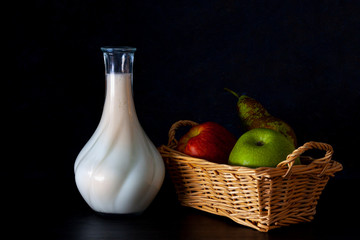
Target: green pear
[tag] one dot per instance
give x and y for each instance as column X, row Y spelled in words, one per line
column 254, row 115
column 261, row 147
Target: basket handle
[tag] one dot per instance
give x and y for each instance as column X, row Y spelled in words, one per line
column 172, row 141
column 290, row 159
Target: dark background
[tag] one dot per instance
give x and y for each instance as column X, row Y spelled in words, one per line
column 301, row 59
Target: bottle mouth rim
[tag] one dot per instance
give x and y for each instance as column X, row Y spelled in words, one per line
column 111, row 49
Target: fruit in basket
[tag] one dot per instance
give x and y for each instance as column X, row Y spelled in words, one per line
column 209, row 141
column 254, row 115
column 261, row 147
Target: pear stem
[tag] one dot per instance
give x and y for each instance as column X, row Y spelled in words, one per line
column 232, row 92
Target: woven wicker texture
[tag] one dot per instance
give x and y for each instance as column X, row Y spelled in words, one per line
column 262, row 198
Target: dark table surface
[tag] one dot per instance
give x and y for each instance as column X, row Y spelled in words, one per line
column 53, row 209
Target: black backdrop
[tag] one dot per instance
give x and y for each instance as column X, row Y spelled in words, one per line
column 299, row 58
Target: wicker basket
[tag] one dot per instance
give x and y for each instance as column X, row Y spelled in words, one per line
column 262, row 198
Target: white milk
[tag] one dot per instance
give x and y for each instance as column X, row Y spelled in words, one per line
column 119, row 170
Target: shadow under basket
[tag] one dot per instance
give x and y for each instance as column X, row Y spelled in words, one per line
column 262, row 198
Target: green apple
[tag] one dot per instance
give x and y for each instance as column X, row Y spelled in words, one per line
column 261, row 147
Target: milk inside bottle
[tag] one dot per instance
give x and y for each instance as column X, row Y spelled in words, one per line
column 119, row 170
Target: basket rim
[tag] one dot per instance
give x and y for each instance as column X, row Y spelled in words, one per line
column 262, row 172
column 319, row 166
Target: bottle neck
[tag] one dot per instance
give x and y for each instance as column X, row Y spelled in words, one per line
column 118, row 73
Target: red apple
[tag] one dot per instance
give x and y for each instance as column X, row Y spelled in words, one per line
column 209, row 141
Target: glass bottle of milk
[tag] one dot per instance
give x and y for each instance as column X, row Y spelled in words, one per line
column 119, row 170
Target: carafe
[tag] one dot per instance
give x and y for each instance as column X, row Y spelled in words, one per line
column 119, row 170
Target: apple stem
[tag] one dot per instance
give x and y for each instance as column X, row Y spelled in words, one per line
column 232, row 92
